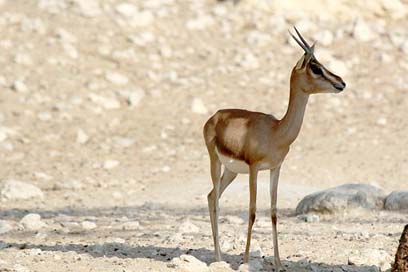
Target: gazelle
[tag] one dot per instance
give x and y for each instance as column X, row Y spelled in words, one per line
column 247, row 142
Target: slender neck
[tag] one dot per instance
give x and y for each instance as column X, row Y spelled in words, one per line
column 289, row 126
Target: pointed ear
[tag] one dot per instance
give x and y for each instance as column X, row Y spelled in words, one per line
column 300, row 63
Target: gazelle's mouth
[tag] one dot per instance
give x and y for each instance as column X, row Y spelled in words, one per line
column 340, row 87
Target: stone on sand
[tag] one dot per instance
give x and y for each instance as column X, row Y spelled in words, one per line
column 32, row 221
column 14, row 189
column 342, row 199
column 188, row 263
column 397, row 200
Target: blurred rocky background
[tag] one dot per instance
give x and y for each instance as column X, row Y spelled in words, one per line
column 102, row 104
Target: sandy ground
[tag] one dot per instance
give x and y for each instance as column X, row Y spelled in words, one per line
column 102, row 108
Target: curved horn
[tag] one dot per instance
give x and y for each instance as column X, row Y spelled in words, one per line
column 307, row 50
column 300, row 36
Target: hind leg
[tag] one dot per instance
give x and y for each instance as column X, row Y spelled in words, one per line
column 213, row 201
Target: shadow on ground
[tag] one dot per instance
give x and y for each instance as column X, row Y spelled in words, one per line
column 156, row 213
column 166, row 254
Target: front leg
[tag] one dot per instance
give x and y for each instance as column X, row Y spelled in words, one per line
column 253, row 175
column 274, row 179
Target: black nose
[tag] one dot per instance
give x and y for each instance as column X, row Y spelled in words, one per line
column 340, row 86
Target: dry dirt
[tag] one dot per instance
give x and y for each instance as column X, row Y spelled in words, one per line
column 109, row 125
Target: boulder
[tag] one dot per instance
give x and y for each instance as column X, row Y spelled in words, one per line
column 342, row 199
column 14, row 189
column 188, row 263
column 397, row 200
column 32, row 222
column 371, row 256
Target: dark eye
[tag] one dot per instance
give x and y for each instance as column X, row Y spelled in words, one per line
column 316, row 69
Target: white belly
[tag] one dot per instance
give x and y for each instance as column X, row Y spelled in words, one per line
column 237, row 166
column 234, row 165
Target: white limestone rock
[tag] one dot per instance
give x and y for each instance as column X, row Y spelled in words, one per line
column 13, row 189
column 32, row 222
column 371, row 256
column 188, row 263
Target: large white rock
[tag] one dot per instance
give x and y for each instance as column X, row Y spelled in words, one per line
column 370, row 256
column 188, row 263
column 397, row 200
column 14, row 189
column 32, row 221
column 342, row 199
